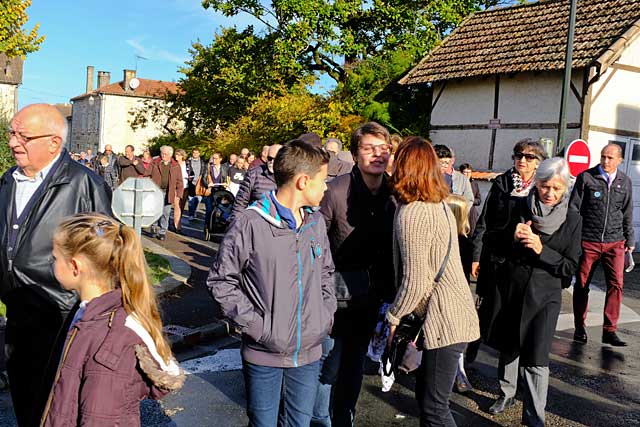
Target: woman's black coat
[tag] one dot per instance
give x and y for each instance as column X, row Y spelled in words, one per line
column 493, row 233
column 519, row 314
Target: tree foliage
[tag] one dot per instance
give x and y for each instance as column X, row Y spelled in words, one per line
column 14, row 39
column 6, row 159
column 277, row 118
column 330, row 35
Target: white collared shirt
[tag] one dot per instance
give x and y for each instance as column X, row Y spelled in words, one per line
column 26, row 186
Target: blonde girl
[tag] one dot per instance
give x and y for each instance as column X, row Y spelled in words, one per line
column 460, row 209
column 115, row 354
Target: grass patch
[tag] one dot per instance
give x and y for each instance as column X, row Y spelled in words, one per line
column 159, row 267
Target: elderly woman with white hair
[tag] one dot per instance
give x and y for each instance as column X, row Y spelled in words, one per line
column 523, row 315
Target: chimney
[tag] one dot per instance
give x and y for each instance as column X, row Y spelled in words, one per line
column 128, row 75
column 89, row 78
column 103, row 78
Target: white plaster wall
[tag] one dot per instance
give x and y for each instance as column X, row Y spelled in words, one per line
column 535, row 98
column 469, row 101
column 117, row 129
column 616, row 96
column 471, row 146
column 8, row 100
column 507, row 138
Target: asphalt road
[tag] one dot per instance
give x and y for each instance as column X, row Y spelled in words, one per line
column 591, row 385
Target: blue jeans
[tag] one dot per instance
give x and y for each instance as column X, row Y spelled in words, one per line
column 265, row 385
column 322, row 407
column 193, row 204
column 343, row 369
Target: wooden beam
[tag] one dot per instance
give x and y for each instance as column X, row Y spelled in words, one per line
column 612, row 131
column 511, row 126
column 576, row 93
column 625, row 67
column 494, row 132
column 438, row 96
column 585, row 117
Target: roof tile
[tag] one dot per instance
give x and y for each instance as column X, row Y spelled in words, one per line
column 530, row 37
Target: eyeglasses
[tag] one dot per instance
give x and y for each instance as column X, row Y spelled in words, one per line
column 445, row 162
column 370, row 148
column 529, row 157
column 22, row 139
column 270, row 159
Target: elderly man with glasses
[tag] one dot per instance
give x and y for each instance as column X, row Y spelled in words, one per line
column 257, row 181
column 45, row 186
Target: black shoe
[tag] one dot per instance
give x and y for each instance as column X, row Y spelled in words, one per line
column 161, row 237
column 501, row 404
column 580, row 335
column 612, row 338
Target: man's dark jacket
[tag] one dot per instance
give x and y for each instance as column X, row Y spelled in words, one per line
column 607, row 213
column 68, row 189
column 360, row 230
column 257, row 182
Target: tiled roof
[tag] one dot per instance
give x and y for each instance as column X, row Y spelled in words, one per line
column 146, row 89
column 530, row 37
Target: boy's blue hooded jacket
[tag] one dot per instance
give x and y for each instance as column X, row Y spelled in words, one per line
column 275, row 283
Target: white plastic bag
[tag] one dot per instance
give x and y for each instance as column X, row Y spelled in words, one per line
column 629, row 264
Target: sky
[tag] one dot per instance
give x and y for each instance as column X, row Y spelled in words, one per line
column 108, row 34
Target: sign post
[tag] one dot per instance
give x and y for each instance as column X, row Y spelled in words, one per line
column 138, row 203
column 578, row 157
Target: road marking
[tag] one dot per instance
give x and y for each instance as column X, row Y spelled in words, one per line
column 595, row 312
column 222, row 361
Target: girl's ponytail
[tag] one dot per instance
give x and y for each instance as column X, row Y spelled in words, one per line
column 116, row 254
column 138, row 298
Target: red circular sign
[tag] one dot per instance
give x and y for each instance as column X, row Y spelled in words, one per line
column 578, row 156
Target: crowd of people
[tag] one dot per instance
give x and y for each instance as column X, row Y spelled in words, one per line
column 317, row 244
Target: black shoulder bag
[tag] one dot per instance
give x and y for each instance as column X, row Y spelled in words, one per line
column 411, row 324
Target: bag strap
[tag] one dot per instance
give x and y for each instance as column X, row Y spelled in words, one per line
column 446, row 258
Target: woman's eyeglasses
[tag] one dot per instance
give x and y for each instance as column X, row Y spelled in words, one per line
column 529, row 157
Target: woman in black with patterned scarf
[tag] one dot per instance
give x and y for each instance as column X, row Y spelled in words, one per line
column 493, row 238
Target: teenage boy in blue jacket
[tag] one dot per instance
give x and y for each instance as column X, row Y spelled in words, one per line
column 272, row 278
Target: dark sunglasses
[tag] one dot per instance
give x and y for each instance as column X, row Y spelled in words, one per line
column 270, row 159
column 529, row 157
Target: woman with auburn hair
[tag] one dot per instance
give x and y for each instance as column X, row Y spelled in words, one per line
column 424, row 234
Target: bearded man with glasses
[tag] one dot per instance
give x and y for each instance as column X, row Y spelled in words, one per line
column 45, row 186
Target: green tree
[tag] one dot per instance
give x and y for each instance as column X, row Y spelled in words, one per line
column 330, row 35
column 15, row 40
column 6, row 159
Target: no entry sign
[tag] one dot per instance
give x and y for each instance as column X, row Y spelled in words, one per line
column 578, row 156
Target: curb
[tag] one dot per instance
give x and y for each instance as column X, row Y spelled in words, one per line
column 180, row 270
column 210, row 331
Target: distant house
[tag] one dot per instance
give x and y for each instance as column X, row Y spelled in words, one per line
column 498, row 78
column 103, row 115
column 10, row 79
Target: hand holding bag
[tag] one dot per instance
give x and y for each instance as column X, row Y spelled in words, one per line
column 410, row 327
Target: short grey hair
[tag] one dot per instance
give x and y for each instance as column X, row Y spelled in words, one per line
column 550, row 168
column 64, row 131
column 167, row 148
